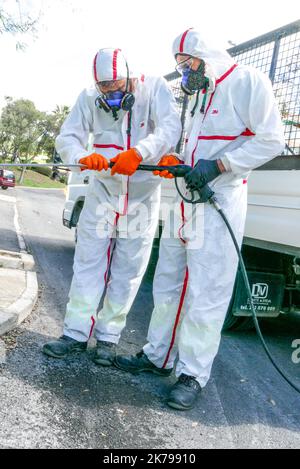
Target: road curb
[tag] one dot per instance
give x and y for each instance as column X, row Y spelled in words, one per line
column 25, row 304
column 17, row 267
column 16, row 260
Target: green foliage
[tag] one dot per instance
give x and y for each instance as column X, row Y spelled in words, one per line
column 22, row 127
column 53, row 124
column 26, row 132
column 17, row 23
column 9, row 24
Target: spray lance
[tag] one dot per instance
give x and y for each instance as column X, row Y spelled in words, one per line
column 204, row 194
column 200, row 194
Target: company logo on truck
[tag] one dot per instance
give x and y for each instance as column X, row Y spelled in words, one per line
column 267, row 294
column 260, row 291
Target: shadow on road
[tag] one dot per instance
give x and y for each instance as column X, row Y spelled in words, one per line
column 9, row 240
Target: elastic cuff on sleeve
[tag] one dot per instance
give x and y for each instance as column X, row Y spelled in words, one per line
column 76, row 160
column 226, row 163
column 144, row 153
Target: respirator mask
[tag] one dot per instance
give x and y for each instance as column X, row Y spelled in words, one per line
column 115, row 100
column 192, row 80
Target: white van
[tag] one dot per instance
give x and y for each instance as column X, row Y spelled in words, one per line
column 76, row 192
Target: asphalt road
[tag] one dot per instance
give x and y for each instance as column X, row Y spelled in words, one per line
column 47, row 403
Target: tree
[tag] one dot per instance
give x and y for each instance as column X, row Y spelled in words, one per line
column 22, row 131
column 10, row 24
column 26, row 132
column 53, row 124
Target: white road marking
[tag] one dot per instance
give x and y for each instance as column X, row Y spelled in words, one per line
column 8, row 198
column 21, row 240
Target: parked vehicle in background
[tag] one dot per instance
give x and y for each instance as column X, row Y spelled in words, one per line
column 271, row 246
column 76, row 191
column 7, row 179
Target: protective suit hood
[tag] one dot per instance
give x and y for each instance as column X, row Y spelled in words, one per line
column 192, row 43
column 110, row 64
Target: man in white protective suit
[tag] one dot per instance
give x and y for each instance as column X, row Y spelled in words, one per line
column 133, row 119
column 233, row 127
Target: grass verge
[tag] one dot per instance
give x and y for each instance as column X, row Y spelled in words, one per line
column 34, row 179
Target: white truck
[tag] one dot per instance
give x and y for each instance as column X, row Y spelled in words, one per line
column 271, row 246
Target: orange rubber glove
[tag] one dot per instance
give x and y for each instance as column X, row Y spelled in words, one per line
column 95, row 161
column 167, row 160
column 126, row 162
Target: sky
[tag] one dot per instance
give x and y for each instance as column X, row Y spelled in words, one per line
column 57, row 63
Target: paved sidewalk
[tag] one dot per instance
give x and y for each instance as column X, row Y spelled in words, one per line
column 18, row 289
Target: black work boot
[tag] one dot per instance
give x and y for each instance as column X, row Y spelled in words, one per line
column 138, row 363
column 105, row 353
column 184, row 393
column 63, row 346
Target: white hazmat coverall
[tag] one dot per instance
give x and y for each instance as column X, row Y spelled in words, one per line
column 113, row 202
column 197, row 265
